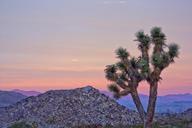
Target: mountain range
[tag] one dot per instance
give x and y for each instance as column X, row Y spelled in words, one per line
column 172, row 103
column 27, row 93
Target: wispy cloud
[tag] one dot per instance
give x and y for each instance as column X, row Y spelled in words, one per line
column 115, row 2
column 75, row 60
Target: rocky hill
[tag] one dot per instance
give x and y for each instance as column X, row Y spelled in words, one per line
column 9, row 97
column 67, row 108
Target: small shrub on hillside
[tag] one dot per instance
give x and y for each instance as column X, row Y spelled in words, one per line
column 23, row 125
column 20, row 125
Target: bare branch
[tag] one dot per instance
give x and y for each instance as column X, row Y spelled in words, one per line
column 125, row 92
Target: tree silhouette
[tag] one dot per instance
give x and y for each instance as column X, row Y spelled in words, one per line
column 128, row 72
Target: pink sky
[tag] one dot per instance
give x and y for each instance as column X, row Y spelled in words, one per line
column 63, row 44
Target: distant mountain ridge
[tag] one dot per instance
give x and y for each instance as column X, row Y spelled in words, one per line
column 27, row 93
column 9, row 97
column 169, row 103
column 67, row 108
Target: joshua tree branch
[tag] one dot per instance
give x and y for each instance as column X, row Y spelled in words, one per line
column 121, row 83
column 125, row 92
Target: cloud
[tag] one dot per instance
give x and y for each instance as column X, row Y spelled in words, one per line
column 75, row 60
column 122, row 2
column 115, row 2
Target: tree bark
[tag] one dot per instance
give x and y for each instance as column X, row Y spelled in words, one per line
column 138, row 105
column 151, row 104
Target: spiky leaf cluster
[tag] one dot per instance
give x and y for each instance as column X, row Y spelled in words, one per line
column 113, row 88
column 173, row 50
column 110, row 72
column 158, row 37
column 144, row 40
column 143, row 65
column 122, row 53
column 123, row 75
column 134, row 63
column 157, row 60
column 121, row 65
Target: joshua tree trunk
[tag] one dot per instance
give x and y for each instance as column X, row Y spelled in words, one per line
column 151, row 104
column 138, row 105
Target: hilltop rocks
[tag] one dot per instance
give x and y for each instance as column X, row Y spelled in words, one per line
column 68, row 108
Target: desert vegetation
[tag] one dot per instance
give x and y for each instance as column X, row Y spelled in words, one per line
column 129, row 71
column 23, row 124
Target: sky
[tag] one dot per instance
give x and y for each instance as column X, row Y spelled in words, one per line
column 63, row 44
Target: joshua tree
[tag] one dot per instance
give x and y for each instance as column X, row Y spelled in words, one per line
column 128, row 72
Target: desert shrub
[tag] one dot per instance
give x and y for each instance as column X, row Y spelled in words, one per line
column 20, row 125
column 51, row 120
column 23, row 125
